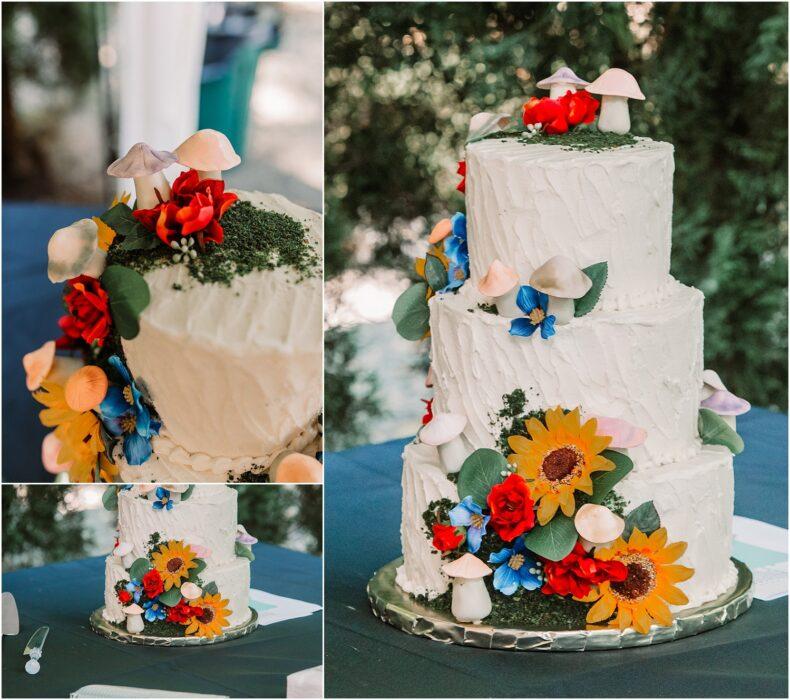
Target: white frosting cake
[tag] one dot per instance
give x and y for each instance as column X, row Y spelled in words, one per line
column 636, row 356
column 234, row 372
column 206, row 523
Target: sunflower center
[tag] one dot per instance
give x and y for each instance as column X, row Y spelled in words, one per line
column 174, row 564
column 537, row 315
column 561, row 463
column 641, row 579
column 207, row 615
column 477, row 520
column 128, row 423
column 516, row 562
column 127, row 394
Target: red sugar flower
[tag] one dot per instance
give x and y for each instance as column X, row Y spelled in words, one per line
column 182, row 612
column 428, row 417
column 194, row 209
column 580, row 107
column 461, row 187
column 578, row 572
column 550, row 113
column 446, row 538
column 89, row 313
column 512, row 508
column 153, row 584
column 124, row 596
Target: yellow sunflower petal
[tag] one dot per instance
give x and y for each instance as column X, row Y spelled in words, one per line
column 598, row 443
column 602, row 610
column 676, row 573
column 567, row 502
column 671, row 553
column 658, row 539
column 623, row 618
column 672, row 594
column 536, row 429
column 547, row 509
column 638, row 540
column 419, row 267
column 555, row 420
column 520, row 444
column 659, row 611
column 584, row 483
column 572, row 422
column 601, row 464
column 641, row 620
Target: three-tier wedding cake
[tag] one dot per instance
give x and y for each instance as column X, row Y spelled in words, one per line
column 574, row 447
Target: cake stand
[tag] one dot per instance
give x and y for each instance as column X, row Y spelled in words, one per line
column 399, row 609
column 119, row 634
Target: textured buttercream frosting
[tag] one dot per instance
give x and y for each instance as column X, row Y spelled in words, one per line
column 234, row 372
column 529, row 202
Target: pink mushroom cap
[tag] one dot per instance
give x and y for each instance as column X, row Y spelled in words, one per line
column 725, row 403
column 498, row 280
column 623, row 433
column 616, row 82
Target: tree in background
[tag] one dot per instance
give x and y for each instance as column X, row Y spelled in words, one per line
column 403, row 80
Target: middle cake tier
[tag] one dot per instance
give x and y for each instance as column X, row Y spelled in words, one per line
column 643, row 366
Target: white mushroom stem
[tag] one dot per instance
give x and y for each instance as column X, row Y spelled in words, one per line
column 134, row 623
column 210, row 174
column 562, row 310
column 453, row 454
column 559, row 89
column 471, row 602
column 145, row 188
column 614, row 116
column 506, row 304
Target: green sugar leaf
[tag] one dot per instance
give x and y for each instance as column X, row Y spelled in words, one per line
column 244, row 551
column 713, row 430
column 210, row 588
column 129, row 296
column 598, row 274
column 134, row 235
column 554, row 540
column 435, row 273
column 604, row 482
column 644, row 518
column 109, row 498
column 171, row 597
column 139, row 568
column 201, row 565
column 480, row 471
column 410, row 313
column 188, row 492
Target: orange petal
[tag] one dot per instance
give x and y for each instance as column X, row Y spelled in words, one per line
column 659, row 611
column 546, row 509
column 38, row 363
column 671, row 553
column 641, row 621
column 602, row 610
column 676, row 572
column 520, row 444
column 672, row 594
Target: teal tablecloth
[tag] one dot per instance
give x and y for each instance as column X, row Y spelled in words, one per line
column 367, row 658
column 63, row 596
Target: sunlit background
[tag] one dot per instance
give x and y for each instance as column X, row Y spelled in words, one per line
column 48, row 524
column 403, row 80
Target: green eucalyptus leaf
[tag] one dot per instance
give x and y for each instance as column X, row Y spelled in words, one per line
column 604, row 482
column 109, row 498
column 210, row 588
column 480, row 471
column 410, row 313
column 554, row 540
column 244, row 551
column 435, row 273
column 201, row 565
column 129, row 296
column 171, row 597
column 713, row 430
column 188, row 492
column 644, row 518
column 598, row 274
column 139, row 568
column 133, row 235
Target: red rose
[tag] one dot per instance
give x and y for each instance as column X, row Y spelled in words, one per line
column 511, row 508
column 580, row 107
column 194, row 209
column 89, row 313
column 461, row 187
column 578, row 572
column 124, row 596
column 152, row 584
column 547, row 112
column 428, row 417
column 446, row 538
column 182, row 612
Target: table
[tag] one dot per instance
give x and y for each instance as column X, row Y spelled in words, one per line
column 366, row 657
column 63, row 596
column 31, row 308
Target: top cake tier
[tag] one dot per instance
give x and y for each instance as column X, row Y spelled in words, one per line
column 527, row 203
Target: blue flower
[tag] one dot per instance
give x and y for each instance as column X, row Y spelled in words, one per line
column 470, row 515
column 165, row 501
column 457, row 252
column 535, row 306
column 517, row 568
column 135, row 588
column 154, row 610
column 124, row 414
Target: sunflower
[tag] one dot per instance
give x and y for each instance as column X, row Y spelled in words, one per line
column 646, row 594
column 213, row 618
column 173, row 561
column 558, row 458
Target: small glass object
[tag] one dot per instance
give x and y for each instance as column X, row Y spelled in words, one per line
column 35, row 649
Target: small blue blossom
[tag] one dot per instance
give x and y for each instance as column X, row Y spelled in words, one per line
column 457, row 252
column 535, row 306
column 135, row 588
column 124, row 415
column 470, row 515
column 165, row 499
column 517, row 568
column 154, row 610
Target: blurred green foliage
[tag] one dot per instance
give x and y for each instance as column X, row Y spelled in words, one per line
column 403, row 80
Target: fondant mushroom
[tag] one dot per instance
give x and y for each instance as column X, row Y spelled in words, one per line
column 711, row 383
column 209, row 152
column 439, row 232
column 86, row 388
column 123, row 550
column 616, row 87
column 42, row 364
column 717, row 398
column 191, row 591
column 444, row 432
column 294, row 468
column 74, row 250
column 50, row 449
column 597, row 525
column 485, row 123
column 563, row 281
column 501, row 283
column 244, row 537
column 145, row 165
column 624, row 435
column 134, row 618
column 560, row 82
column 471, row 602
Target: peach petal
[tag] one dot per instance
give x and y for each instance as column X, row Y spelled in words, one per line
column 38, row 364
column 439, row 232
column 50, row 448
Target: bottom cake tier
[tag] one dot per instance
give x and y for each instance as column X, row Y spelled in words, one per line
column 693, row 498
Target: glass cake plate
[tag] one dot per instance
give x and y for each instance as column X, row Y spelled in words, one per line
column 113, row 631
column 399, row 609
